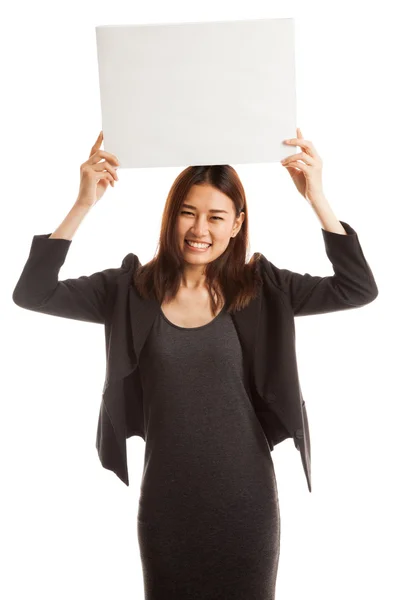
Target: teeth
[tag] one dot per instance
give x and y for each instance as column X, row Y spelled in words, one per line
column 196, row 245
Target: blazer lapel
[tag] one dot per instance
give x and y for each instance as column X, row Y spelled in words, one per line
column 143, row 312
column 127, row 331
column 246, row 323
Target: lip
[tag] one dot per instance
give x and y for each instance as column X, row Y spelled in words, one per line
column 198, row 249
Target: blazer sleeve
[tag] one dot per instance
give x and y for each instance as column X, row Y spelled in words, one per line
column 38, row 288
column 352, row 285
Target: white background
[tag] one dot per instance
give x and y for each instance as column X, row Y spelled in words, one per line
column 68, row 525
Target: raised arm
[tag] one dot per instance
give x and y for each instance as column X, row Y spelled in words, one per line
column 86, row 297
column 352, row 285
column 38, row 288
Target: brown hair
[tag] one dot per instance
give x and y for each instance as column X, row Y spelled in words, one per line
column 238, row 281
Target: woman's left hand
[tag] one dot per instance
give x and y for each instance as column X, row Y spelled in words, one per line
column 307, row 175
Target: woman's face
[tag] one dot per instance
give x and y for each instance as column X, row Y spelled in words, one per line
column 206, row 216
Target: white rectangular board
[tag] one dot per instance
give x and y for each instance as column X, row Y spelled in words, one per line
column 198, row 93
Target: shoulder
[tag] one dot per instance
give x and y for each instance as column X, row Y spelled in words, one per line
column 130, row 263
column 270, row 273
column 125, row 273
column 120, row 276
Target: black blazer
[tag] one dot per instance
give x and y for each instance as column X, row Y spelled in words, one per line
column 265, row 328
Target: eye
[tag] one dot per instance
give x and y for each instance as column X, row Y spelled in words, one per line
column 187, row 212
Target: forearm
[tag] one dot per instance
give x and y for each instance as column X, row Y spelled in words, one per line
column 71, row 222
column 326, row 216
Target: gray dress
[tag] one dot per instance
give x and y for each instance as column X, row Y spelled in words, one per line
column 208, row 519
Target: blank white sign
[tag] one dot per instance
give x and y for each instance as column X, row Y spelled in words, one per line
column 179, row 94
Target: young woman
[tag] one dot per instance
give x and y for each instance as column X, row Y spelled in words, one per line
column 201, row 364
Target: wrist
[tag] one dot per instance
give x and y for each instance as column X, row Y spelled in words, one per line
column 82, row 205
column 318, row 199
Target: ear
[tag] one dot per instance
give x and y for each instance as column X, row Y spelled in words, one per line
column 238, row 223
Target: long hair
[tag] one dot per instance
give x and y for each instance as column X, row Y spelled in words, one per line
column 161, row 277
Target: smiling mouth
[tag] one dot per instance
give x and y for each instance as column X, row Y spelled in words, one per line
column 187, row 242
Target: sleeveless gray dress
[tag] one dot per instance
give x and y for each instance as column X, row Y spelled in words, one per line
column 208, row 520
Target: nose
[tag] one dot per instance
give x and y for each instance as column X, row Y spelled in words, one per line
column 200, row 229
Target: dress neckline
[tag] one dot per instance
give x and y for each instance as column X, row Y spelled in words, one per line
column 191, row 328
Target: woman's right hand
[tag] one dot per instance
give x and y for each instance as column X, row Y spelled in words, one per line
column 97, row 176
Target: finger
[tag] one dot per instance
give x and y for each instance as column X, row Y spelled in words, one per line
column 306, row 145
column 97, row 144
column 296, row 167
column 300, row 142
column 300, row 166
column 101, row 166
column 99, row 140
column 293, row 170
column 309, row 148
column 109, row 178
column 309, row 160
column 102, row 154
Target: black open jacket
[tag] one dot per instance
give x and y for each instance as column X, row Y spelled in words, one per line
column 266, row 331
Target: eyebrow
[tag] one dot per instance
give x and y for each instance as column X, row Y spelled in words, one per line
column 212, row 210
